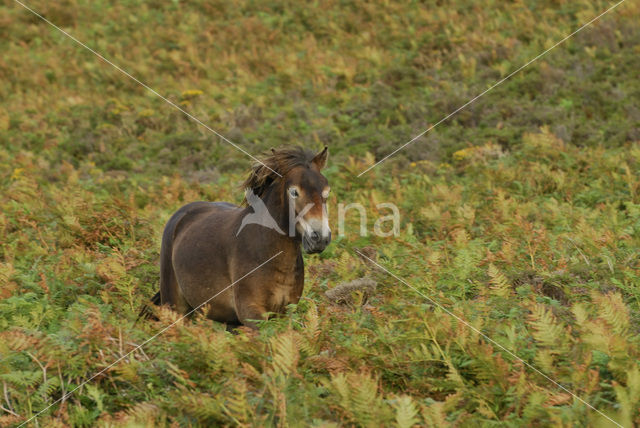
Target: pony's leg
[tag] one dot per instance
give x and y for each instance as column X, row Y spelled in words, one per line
column 251, row 311
column 232, row 328
column 171, row 294
column 181, row 306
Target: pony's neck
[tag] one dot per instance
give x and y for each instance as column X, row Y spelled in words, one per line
column 273, row 199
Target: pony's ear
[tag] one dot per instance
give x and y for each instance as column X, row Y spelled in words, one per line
column 320, row 160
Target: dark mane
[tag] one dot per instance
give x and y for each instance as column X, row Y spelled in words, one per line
column 281, row 161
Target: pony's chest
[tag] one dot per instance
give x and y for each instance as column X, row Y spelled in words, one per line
column 286, row 288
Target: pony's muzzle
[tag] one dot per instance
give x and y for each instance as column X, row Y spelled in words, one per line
column 316, row 241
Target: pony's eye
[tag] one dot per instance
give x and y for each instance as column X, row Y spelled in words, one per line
column 293, row 192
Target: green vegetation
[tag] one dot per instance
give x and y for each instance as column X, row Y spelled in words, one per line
column 521, row 214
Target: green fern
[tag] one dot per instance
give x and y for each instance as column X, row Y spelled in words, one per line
column 547, row 330
column 612, row 308
column 406, row 412
column 237, row 406
column 359, row 398
column 499, row 283
column 285, row 354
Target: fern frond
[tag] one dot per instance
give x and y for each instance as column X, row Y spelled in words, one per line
column 435, row 415
column 340, row 385
column 237, row 406
column 629, row 397
column 309, row 343
column 46, row 388
column 22, row 378
column 499, row 284
column 284, row 349
column 143, row 412
column 200, row 405
column 358, row 397
column 96, row 395
column 580, row 312
column 612, row 308
column 365, row 400
column 546, row 329
column 406, row 412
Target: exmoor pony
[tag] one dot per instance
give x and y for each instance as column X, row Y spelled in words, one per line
column 213, row 248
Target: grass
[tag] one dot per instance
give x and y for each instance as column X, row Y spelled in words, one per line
column 521, row 214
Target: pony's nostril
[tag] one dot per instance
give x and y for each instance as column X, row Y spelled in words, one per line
column 315, row 237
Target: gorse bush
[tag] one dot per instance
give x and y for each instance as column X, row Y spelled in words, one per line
column 519, row 215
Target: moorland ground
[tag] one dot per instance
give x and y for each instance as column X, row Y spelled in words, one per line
column 520, row 214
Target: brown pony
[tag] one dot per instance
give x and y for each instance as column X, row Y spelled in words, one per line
column 208, row 246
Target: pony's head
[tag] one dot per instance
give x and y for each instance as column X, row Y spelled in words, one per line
column 300, row 184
